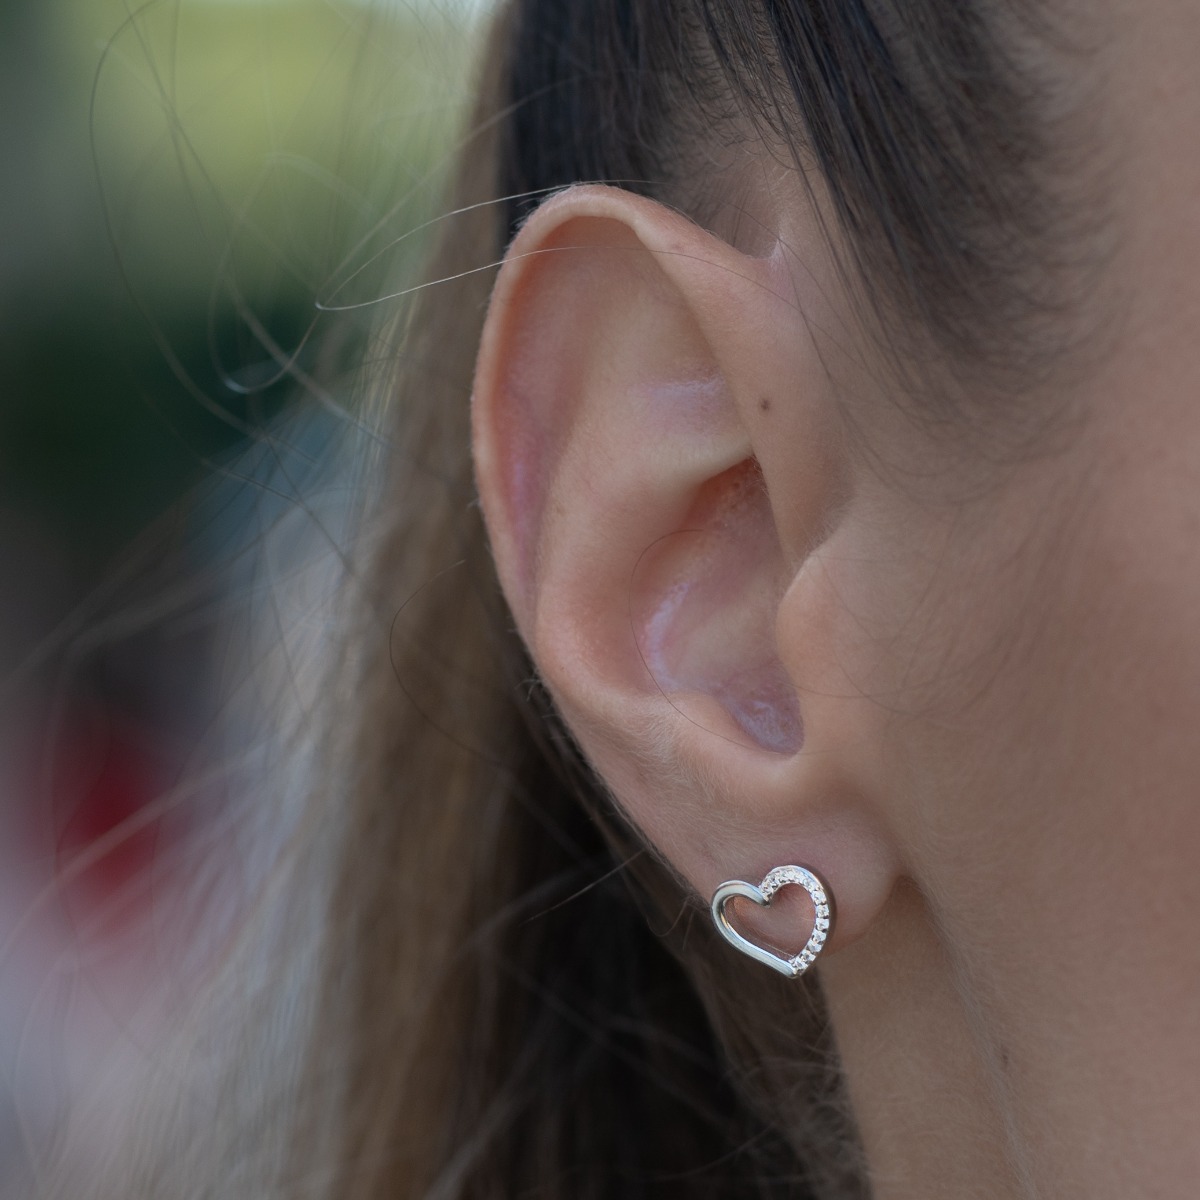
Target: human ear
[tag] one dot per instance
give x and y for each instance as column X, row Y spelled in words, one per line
column 659, row 457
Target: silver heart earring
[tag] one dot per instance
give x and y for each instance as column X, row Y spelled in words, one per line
column 775, row 879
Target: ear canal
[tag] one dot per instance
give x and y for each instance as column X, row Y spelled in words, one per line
column 702, row 604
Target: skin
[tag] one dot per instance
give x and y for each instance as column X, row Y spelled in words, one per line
column 997, row 660
column 1046, row 1013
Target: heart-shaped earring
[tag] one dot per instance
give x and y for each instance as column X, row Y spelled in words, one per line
column 775, row 879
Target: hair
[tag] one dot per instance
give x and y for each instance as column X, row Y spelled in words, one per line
column 517, row 997
column 527, row 1002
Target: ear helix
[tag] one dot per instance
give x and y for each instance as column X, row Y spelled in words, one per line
column 779, row 877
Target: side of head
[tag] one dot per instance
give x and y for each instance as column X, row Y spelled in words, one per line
column 808, row 470
column 829, row 532
column 792, row 458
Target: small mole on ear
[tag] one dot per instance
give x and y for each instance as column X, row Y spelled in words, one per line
column 764, row 404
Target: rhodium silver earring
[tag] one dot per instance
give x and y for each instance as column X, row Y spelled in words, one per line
column 779, row 877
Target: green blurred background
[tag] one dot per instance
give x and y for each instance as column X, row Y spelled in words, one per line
column 186, row 187
column 183, row 183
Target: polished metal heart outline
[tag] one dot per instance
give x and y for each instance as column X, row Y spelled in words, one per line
column 778, row 877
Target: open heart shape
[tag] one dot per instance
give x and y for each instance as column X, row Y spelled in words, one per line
column 775, row 879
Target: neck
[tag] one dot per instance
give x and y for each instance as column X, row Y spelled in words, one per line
column 999, row 1075
column 926, row 1081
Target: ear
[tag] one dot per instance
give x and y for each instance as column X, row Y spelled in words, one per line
column 659, row 458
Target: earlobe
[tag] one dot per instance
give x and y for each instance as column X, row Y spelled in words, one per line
column 655, row 459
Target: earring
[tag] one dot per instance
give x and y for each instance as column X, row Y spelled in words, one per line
column 775, row 879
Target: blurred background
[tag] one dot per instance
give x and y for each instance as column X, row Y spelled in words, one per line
column 204, row 205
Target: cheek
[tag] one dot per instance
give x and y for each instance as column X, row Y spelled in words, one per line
column 1044, row 752
column 1128, row 759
